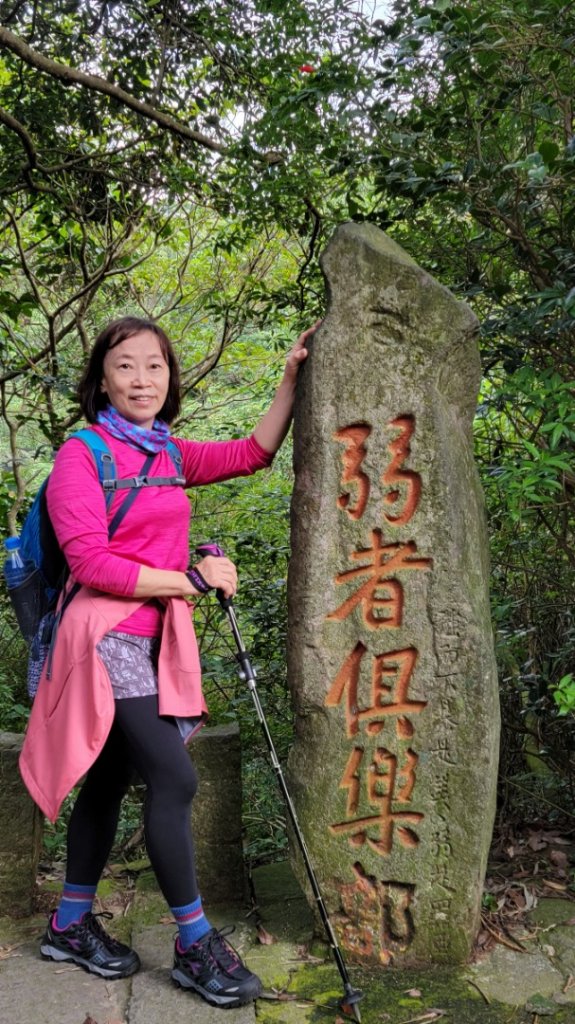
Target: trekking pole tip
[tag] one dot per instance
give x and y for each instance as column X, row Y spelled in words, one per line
column 349, row 1003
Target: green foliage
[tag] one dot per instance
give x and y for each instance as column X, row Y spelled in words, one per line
column 13, row 713
column 202, row 99
column 564, row 694
column 263, row 815
column 14, row 706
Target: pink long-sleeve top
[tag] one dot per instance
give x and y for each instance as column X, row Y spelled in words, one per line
column 155, row 529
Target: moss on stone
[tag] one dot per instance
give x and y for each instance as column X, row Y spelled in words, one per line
column 146, row 882
column 386, row 999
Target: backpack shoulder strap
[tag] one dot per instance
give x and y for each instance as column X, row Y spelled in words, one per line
column 175, row 455
column 103, row 458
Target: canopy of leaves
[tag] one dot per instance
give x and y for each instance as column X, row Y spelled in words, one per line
column 202, row 99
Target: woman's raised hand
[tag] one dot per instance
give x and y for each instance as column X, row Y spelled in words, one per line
column 298, row 353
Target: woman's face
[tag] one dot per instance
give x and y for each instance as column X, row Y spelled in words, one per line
column 136, row 378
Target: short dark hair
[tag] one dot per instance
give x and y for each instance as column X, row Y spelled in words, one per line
column 93, row 399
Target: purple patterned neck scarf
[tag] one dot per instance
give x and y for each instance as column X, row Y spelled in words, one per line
column 154, row 440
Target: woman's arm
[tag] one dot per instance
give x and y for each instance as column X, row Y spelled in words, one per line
column 269, row 434
column 217, row 572
column 274, row 424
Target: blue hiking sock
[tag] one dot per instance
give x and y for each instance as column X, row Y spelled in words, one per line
column 192, row 922
column 74, row 902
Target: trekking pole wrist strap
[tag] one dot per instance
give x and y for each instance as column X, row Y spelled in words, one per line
column 198, row 582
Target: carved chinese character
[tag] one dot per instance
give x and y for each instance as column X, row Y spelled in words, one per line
column 377, row 916
column 441, row 848
column 391, row 674
column 354, row 437
column 439, row 788
column 398, row 926
column 384, row 561
column 382, row 778
column 442, row 748
column 403, row 485
column 442, row 905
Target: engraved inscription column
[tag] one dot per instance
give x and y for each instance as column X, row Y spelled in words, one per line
column 390, row 650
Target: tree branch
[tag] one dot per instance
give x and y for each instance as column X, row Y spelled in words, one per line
column 72, row 76
column 25, row 138
column 211, row 360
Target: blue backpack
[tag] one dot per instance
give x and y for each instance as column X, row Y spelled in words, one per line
column 35, row 600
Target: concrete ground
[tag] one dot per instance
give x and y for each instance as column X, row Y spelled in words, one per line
column 301, row 984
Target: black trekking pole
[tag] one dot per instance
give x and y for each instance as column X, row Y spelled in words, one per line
column 349, row 1001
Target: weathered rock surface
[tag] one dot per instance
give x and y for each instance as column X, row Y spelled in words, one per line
column 390, row 646
column 217, row 813
column 20, row 832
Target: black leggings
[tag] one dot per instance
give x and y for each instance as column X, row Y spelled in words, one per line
column 141, row 740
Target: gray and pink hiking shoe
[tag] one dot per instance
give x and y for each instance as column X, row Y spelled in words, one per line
column 213, row 969
column 88, row 945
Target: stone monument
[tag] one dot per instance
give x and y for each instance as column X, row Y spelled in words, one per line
column 391, row 662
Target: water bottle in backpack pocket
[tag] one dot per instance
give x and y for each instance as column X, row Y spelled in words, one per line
column 26, row 588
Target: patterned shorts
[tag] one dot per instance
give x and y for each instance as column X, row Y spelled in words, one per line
column 131, row 662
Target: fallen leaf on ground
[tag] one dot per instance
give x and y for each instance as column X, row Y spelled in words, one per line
column 556, row 837
column 7, row 952
column 279, row 997
column 560, row 860
column 530, row 898
column 426, row 1017
column 560, row 886
column 537, row 841
column 497, row 935
column 265, row 938
column 413, row 993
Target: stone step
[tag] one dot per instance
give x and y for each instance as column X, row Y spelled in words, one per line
column 37, row 991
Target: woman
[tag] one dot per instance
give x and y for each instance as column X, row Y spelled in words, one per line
column 125, row 688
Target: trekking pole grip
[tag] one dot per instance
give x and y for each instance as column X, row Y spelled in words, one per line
column 214, row 549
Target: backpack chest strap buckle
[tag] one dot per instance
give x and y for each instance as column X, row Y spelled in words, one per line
column 128, row 483
column 136, row 482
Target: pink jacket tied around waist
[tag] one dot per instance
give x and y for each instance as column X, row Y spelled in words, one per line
column 73, row 712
